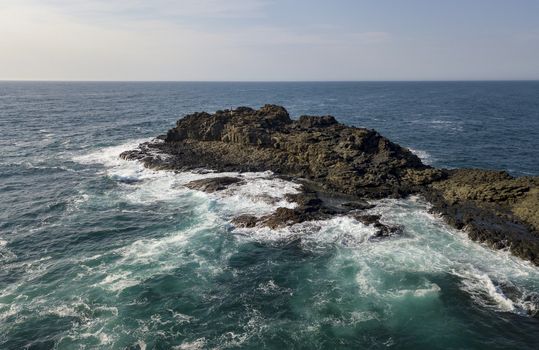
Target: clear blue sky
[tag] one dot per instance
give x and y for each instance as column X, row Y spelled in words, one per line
column 269, row 39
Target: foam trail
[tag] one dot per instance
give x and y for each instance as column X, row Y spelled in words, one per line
column 431, row 246
column 259, row 194
column 483, row 290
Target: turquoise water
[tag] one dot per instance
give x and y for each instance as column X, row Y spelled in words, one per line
column 100, row 253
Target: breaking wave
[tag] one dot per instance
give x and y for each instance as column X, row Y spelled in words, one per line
column 330, row 273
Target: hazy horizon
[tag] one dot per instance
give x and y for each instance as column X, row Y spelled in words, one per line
column 268, row 40
column 268, row 81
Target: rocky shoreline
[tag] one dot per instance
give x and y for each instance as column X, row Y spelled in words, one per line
column 340, row 168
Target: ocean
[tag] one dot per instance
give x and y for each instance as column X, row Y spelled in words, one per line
column 101, row 253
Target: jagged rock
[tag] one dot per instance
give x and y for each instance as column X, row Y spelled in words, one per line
column 340, row 158
column 245, row 221
column 494, row 191
column 305, row 199
column 307, row 122
column 493, row 206
column 285, row 216
column 382, row 230
column 311, row 205
column 213, row 184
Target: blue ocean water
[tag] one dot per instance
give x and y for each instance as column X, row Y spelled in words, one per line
column 100, row 253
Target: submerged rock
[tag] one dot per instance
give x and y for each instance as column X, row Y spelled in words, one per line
column 382, row 230
column 492, row 206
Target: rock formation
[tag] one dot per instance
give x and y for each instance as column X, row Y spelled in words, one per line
column 338, row 160
column 492, row 206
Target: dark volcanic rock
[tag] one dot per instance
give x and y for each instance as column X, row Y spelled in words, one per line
column 340, row 158
column 213, row 184
column 309, row 207
column 492, row 206
column 496, row 191
column 307, row 122
column 382, row 230
column 286, row 216
column 245, row 221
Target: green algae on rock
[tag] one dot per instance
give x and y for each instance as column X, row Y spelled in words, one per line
column 493, row 207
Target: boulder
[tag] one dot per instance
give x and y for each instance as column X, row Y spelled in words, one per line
column 213, row 184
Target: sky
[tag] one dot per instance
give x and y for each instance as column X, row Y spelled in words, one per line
column 269, row 40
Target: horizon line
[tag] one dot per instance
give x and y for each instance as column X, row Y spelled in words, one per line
column 265, row 81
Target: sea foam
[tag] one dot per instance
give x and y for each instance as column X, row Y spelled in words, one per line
column 427, row 244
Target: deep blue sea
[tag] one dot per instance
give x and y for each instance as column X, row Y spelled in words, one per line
column 100, row 253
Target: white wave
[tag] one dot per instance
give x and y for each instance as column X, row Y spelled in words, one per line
column 442, row 123
column 153, row 254
column 255, row 324
column 259, row 194
column 341, row 230
column 449, row 125
column 9, row 310
column 108, row 156
column 425, row 156
column 270, row 287
column 29, row 165
column 368, row 280
column 428, row 245
column 61, row 311
column 86, row 332
column 362, row 316
column 119, row 281
column 429, row 289
column 141, row 344
column 483, row 291
column 432, row 247
column 528, row 302
column 6, row 255
column 180, row 318
column 197, row 344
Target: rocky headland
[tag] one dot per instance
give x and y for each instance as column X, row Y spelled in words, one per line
column 340, row 168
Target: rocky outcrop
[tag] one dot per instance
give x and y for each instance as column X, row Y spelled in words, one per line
column 492, row 206
column 359, row 163
column 355, row 161
column 493, row 190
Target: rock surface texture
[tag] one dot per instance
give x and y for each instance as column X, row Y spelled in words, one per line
column 348, row 163
column 492, row 207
